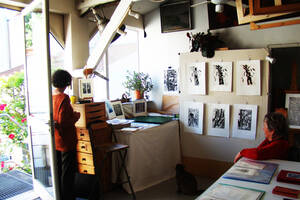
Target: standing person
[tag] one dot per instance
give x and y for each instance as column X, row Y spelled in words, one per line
column 275, row 145
column 65, row 133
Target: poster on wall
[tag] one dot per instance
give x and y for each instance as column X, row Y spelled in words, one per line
column 292, row 103
column 196, row 78
column 193, row 117
column 248, row 77
column 171, row 81
column 220, row 76
column 245, row 119
column 218, row 120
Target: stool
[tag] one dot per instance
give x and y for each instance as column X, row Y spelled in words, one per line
column 107, row 149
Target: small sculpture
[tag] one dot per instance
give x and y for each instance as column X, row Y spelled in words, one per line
column 207, row 43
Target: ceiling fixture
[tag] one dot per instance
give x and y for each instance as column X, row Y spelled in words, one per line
column 219, row 4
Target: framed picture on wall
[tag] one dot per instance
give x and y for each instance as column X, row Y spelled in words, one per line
column 175, row 16
column 118, row 108
column 292, row 103
column 86, row 89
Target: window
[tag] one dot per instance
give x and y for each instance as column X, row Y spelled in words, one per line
column 121, row 56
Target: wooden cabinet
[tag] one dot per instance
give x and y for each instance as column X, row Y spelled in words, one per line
column 89, row 158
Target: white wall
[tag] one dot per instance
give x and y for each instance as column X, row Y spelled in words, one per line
column 158, row 51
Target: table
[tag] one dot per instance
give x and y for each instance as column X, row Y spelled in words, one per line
column 283, row 164
column 153, row 154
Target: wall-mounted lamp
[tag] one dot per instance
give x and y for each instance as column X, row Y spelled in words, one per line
column 270, row 59
column 134, row 14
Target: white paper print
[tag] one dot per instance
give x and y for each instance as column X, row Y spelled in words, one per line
column 292, row 103
column 220, row 76
column 248, row 77
column 245, row 121
column 196, row 78
column 171, row 81
column 193, row 117
column 218, row 120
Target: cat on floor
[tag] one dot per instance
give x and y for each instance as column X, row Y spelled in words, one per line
column 186, row 182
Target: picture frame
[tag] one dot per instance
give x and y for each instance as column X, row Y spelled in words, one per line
column 192, row 117
column 118, row 109
column 176, row 16
column 218, row 120
column 86, row 88
column 292, row 103
column 109, row 110
column 140, row 108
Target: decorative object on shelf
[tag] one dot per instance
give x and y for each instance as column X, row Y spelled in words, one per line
column 139, row 82
column 207, row 43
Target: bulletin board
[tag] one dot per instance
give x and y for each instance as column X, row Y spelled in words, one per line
column 224, row 132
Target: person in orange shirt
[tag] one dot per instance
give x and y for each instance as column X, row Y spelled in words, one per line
column 65, row 133
column 275, row 145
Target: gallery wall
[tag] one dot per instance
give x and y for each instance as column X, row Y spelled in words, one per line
column 158, row 51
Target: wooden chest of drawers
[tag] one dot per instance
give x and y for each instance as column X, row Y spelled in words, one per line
column 88, row 157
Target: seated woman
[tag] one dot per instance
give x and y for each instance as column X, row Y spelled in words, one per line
column 275, row 145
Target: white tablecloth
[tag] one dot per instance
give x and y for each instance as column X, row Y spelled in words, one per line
column 152, row 156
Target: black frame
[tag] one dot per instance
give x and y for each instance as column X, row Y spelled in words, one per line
column 176, row 16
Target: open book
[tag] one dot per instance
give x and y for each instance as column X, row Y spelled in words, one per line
column 231, row 192
column 252, row 171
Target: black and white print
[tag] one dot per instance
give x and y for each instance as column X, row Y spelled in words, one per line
column 218, row 120
column 192, row 117
column 292, row 103
column 195, row 78
column 170, row 80
column 248, row 77
column 221, row 76
column 245, row 121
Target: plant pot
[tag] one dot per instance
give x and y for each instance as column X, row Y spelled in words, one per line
column 138, row 94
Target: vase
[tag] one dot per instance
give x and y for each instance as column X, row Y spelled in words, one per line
column 138, row 94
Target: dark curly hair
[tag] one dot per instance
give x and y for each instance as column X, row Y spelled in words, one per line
column 61, row 78
column 277, row 122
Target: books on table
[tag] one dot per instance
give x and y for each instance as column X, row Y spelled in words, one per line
column 252, row 171
column 289, row 177
column 231, row 192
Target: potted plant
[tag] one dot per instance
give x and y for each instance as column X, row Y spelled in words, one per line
column 138, row 82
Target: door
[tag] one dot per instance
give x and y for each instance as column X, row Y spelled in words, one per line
column 39, row 101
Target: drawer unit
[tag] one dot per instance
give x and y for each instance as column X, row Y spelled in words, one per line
column 89, row 113
column 86, row 169
column 85, row 158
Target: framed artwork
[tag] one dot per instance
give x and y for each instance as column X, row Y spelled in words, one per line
column 292, row 103
column 268, row 7
column 193, row 117
column 196, row 78
column 221, row 76
column 109, row 110
column 140, row 108
column 218, row 120
column 86, row 89
column 176, row 16
column 171, row 81
column 118, row 109
column 248, row 77
column 245, row 119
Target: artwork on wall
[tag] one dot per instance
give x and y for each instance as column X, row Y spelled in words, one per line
column 245, row 119
column 196, row 83
column 292, row 103
column 193, row 117
column 218, row 120
column 220, row 76
column 86, row 88
column 171, row 81
column 248, row 77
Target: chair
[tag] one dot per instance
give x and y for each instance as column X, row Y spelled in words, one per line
column 107, row 149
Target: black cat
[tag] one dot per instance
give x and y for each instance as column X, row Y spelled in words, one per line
column 186, row 182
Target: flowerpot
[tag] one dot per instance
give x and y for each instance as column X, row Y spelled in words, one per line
column 138, row 94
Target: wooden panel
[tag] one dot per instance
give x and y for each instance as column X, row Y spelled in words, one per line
column 84, row 146
column 86, row 169
column 205, row 167
column 83, row 134
column 85, row 158
column 170, row 104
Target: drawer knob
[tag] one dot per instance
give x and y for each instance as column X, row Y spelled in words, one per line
column 83, row 147
column 82, row 134
column 83, row 159
column 85, row 171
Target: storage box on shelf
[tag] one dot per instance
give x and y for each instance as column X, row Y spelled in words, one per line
column 89, row 159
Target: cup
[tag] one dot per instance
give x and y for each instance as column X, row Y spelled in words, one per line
column 73, row 99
